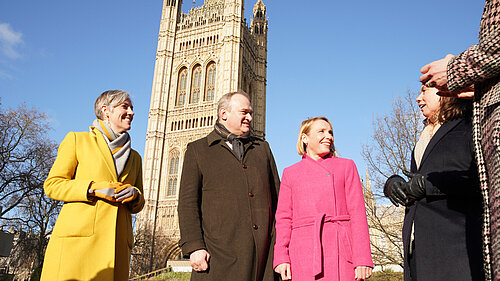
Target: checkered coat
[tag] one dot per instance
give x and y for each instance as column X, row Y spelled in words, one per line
column 479, row 65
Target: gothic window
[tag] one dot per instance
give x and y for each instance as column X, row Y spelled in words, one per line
column 210, row 82
column 172, row 187
column 195, row 84
column 181, row 87
column 173, row 172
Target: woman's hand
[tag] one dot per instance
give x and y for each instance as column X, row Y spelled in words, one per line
column 284, row 270
column 362, row 272
column 126, row 193
column 104, row 190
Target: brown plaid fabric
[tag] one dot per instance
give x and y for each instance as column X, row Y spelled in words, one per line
column 480, row 65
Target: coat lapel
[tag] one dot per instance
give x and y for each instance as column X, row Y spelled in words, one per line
column 318, row 162
column 441, row 132
column 105, row 153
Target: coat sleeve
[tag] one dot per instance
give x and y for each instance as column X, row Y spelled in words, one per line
column 481, row 61
column 275, row 189
column 60, row 184
column 137, row 205
column 275, row 180
column 283, row 222
column 360, row 238
column 189, row 208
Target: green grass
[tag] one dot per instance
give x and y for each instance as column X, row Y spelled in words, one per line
column 185, row 276
column 174, row 276
column 387, row 276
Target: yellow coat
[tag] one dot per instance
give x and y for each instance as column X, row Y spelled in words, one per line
column 92, row 239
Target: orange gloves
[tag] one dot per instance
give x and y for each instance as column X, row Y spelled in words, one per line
column 104, row 190
column 113, row 191
column 126, row 193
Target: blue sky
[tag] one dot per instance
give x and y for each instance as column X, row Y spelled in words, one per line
column 345, row 60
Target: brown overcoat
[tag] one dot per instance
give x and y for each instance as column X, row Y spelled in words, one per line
column 227, row 207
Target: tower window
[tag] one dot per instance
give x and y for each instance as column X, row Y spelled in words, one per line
column 195, row 84
column 181, row 87
column 173, row 172
column 210, row 82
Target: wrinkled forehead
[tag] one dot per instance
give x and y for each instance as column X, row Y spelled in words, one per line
column 240, row 102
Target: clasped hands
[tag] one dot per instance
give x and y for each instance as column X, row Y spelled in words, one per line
column 400, row 191
column 113, row 191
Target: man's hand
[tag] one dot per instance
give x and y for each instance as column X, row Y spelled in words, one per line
column 284, row 270
column 466, row 94
column 199, row 260
column 434, row 74
column 362, row 272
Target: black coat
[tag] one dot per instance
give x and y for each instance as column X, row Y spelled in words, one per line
column 227, row 207
column 447, row 221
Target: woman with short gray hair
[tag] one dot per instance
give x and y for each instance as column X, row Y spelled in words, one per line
column 99, row 178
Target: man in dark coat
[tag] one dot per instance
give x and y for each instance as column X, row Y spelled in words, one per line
column 227, row 200
column 479, row 66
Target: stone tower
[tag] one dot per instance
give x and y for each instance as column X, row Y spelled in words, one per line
column 201, row 55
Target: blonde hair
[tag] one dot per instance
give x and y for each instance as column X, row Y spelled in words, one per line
column 305, row 128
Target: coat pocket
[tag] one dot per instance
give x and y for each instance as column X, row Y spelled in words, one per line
column 345, row 246
column 76, row 219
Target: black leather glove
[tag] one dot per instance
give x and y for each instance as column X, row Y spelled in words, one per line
column 415, row 187
column 394, row 189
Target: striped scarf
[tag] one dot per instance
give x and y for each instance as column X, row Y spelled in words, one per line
column 235, row 140
column 119, row 144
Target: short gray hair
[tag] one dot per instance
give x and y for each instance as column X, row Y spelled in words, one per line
column 225, row 100
column 109, row 98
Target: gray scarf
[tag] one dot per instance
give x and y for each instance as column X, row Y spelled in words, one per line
column 119, row 144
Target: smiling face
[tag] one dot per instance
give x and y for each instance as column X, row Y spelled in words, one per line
column 119, row 117
column 238, row 117
column 319, row 139
column 429, row 102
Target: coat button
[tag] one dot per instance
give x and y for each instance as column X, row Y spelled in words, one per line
column 255, row 226
column 250, row 194
column 244, row 166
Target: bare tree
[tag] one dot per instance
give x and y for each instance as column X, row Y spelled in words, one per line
column 24, row 145
column 389, row 152
column 26, row 156
column 37, row 216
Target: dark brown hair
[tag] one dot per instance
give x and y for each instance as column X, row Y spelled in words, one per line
column 453, row 108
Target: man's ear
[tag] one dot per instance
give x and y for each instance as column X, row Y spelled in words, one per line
column 223, row 114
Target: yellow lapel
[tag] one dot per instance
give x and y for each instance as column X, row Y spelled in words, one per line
column 106, row 154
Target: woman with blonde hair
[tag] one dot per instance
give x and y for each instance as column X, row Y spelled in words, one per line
column 321, row 226
column 99, row 177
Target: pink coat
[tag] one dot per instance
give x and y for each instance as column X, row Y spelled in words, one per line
column 321, row 227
